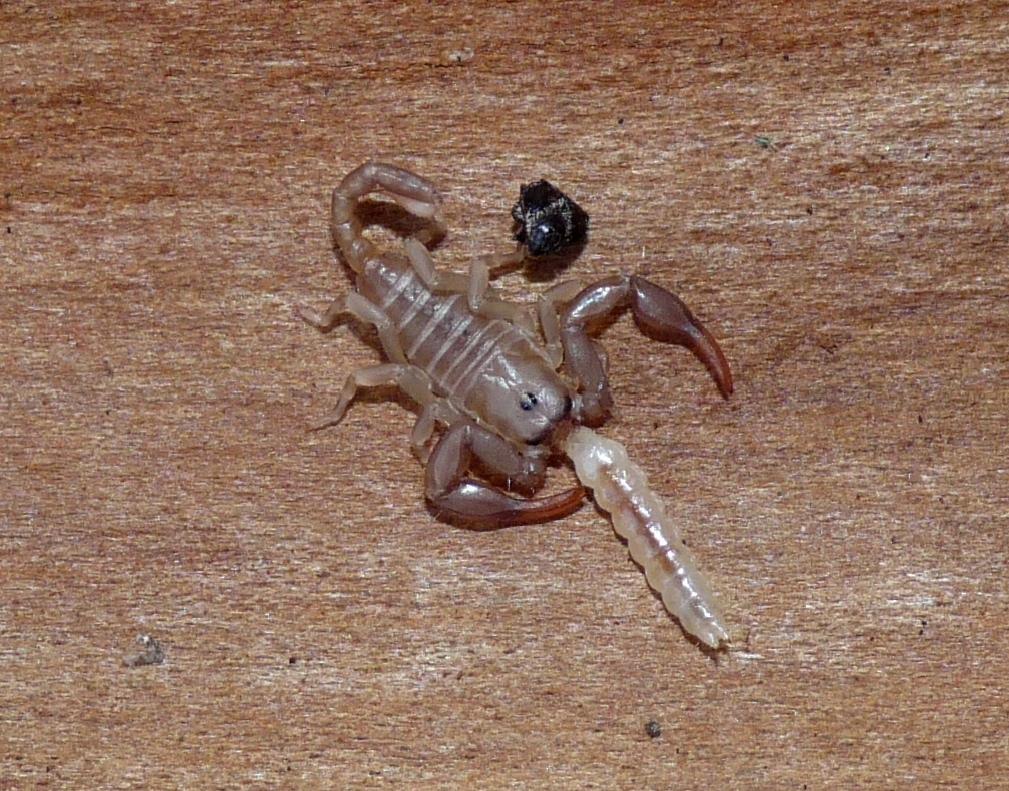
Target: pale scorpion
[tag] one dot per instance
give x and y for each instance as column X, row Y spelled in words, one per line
column 507, row 400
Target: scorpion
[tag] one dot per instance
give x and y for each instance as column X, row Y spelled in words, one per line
column 504, row 399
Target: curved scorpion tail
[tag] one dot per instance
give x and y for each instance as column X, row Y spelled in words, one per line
column 415, row 194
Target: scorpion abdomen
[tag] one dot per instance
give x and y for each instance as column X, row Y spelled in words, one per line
column 437, row 330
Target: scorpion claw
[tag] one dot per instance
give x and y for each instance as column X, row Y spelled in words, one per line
column 666, row 317
column 477, row 505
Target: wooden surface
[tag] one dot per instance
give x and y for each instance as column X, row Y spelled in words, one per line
column 824, row 184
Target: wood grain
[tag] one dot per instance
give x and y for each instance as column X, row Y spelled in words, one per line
column 824, row 183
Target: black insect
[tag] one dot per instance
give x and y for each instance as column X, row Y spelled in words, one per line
column 547, row 219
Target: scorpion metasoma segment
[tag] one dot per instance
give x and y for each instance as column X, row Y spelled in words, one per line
column 475, row 364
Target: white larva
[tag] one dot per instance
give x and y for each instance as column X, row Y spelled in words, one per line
column 621, row 488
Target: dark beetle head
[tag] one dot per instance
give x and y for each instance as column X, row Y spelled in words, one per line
column 547, row 219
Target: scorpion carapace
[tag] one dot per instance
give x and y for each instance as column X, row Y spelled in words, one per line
column 505, row 396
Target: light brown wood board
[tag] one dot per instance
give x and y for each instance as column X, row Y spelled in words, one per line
column 824, row 183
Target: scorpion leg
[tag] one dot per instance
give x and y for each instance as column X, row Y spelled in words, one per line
column 549, row 322
column 659, row 313
column 475, row 287
column 483, row 267
column 438, row 410
column 461, row 499
column 322, row 321
column 359, row 307
column 410, row 379
column 368, row 312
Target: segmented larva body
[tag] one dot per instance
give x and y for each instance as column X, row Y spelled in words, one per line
column 621, row 488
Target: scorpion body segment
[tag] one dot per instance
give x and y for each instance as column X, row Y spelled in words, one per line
column 508, row 399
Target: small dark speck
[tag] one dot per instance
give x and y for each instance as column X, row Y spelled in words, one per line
column 292, row 660
column 152, row 653
column 653, row 729
column 721, row 40
column 620, row 121
column 893, row 539
column 886, row 70
column 809, row 210
column 14, row 101
column 920, row 420
column 784, row 57
column 9, row 229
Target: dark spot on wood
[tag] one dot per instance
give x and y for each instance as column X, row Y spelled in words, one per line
column 151, row 654
column 653, row 729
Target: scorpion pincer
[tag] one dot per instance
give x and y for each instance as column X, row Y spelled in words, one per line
column 505, row 398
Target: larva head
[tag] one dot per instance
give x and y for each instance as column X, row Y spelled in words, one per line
column 521, row 398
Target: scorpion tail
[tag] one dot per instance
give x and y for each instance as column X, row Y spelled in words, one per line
column 415, row 194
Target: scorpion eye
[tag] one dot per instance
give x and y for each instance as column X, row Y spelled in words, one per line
column 528, row 401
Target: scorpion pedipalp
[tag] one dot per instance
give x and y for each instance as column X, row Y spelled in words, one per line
column 467, row 501
column 660, row 314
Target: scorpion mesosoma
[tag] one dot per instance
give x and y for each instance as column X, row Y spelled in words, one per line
column 474, row 364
